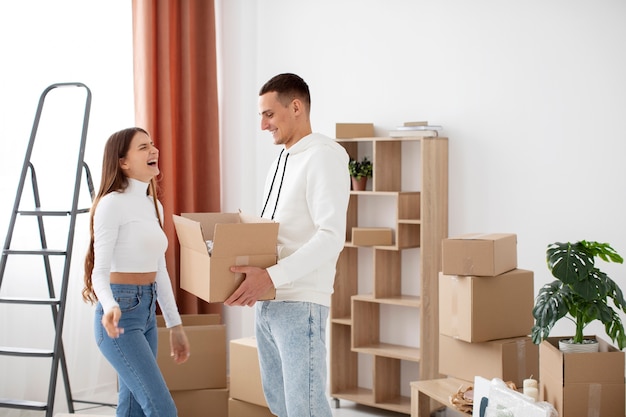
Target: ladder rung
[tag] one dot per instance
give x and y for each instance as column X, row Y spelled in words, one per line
column 24, row 300
column 23, row 404
column 30, row 352
column 42, row 213
column 34, row 252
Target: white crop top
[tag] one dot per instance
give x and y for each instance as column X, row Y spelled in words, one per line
column 128, row 238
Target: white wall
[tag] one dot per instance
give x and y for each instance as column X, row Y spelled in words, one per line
column 42, row 43
column 531, row 94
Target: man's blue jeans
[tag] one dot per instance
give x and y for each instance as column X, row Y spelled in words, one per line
column 291, row 339
column 142, row 389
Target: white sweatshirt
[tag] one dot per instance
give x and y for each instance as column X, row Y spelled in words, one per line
column 129, row 238
column 311, row 182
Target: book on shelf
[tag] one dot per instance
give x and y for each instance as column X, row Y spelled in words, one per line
column 408, row 124
column 415, row 131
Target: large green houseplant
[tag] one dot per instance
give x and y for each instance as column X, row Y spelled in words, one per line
column 581, row 291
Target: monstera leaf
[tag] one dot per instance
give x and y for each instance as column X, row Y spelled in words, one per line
column 581, row 292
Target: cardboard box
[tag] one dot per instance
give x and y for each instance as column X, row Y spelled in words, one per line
column 237, row 408
column 354, row 130
column 206, row 367
column 193, row 319
column 372, row 236
column 245, row 373
column 194, row 403
column 479, row 254
column 513, row 359
column 237, row 240
column 582, row 384
column 479, row 309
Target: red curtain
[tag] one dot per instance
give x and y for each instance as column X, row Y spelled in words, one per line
column 176, row 98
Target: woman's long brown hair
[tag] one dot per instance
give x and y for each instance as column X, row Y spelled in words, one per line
column 113, row 179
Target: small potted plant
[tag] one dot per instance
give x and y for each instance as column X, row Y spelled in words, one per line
column 581, row 292
column 360, row 172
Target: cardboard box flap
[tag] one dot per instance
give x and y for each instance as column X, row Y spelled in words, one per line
column 209, row 220
column 252, row 239
column 189, row 234
column 247, row 218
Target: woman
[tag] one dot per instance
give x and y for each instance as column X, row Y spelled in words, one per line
column 125, row 273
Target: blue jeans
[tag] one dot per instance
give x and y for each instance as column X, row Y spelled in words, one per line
column 142, row 389
column 291, row 339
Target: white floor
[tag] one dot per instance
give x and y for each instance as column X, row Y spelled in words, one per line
column 346, row 409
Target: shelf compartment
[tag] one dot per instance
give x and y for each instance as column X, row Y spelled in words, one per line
column 409, row 206
column 385, row 154
column 407, row 222
column 408, row 235
column 386, row 167
column 366, row 329
column 344, row 363
column 411, row 301
column 387, row 273
column 391, row 351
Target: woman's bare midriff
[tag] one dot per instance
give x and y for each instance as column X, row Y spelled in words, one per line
column 133, row 278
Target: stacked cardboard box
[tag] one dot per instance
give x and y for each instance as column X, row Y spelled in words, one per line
column 485, row 310
column 246, row 392
column 200, row 383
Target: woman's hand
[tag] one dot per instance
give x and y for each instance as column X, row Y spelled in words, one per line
column 179, row 345
column 110, row 322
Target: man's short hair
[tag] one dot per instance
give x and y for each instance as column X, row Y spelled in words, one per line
column 288, row 87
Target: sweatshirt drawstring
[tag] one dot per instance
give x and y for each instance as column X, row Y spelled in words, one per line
column 280, row 186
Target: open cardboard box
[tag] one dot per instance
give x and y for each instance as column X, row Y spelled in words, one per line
column 237, row 240
column 582, row 384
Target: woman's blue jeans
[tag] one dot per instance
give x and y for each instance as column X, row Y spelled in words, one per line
column 291, row 340
column 142, row 389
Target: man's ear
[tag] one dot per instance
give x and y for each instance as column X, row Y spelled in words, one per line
column 297, row 106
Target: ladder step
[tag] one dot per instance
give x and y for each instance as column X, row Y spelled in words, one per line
column 29, row 352
column 23, row 404
column 42, row 213
column 24, row 300
column 34, row 252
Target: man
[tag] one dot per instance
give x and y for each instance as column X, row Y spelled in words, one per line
column 306, row 192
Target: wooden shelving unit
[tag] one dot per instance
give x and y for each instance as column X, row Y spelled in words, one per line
column 420, row 220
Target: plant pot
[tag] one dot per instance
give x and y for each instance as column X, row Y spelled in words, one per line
column 588, row 345
column 360, row 184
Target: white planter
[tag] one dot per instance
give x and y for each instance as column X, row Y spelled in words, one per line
column 588, row 345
